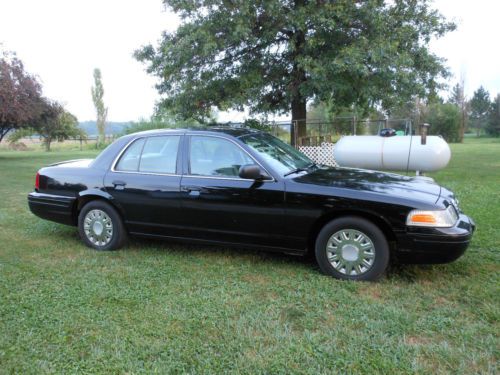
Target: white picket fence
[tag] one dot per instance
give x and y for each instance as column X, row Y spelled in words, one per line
column 320, row 154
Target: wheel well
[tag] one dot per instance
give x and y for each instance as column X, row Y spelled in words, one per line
column 82, row 201
column 323, row 220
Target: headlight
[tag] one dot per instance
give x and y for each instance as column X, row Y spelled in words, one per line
column 439, row 218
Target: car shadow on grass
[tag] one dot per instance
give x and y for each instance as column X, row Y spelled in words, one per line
column 186, row 249
column 396, row 272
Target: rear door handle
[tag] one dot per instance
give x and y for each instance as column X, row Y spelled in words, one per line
column 190, row 188
column 193, row 191
column 119, row 185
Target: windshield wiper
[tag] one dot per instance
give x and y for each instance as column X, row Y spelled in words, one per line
column 298, row 170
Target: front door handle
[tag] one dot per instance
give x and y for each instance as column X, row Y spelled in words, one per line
column 119, row 185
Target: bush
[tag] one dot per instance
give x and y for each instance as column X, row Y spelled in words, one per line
column 493, row 125
column 445, row 121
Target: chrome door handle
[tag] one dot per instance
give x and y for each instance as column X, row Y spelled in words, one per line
column 119, row 185
column 194, row 191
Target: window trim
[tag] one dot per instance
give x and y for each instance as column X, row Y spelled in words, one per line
column 188, row 159
column 127, row 146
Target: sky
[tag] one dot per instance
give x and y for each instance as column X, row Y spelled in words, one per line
column 62, row 41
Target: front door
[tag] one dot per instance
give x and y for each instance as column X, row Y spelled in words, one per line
column 218, row 205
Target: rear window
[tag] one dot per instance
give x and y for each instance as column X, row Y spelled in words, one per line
column 151, row 155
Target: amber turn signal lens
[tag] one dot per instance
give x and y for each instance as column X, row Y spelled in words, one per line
column 432, row 218
column 423, row 219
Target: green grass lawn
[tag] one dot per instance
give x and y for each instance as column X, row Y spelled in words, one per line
column 169, row 308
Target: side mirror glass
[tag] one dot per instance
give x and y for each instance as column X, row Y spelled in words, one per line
column 251, row 172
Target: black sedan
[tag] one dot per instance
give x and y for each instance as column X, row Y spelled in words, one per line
column 247, row 188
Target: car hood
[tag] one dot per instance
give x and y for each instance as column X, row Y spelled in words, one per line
column 416, row 188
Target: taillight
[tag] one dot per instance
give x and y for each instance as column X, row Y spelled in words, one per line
column 37, row 181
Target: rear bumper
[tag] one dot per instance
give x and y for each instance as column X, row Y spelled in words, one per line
column 435, row 245
column 52, row 207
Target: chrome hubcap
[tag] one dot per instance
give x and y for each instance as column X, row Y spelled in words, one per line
column 350, row 252
column 98, row 227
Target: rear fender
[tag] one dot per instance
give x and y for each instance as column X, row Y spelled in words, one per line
column 88, row 195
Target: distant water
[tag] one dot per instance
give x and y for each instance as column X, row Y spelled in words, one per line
column 90, row 127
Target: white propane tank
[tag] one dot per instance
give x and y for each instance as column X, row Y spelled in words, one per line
column 397, row 153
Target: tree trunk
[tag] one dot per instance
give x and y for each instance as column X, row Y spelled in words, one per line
column 298, row 78
column 102, row 132
column 299, row 113
column 47, row 144
column 3, row 133
column 462, row 128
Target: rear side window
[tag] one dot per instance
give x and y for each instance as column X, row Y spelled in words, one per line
column 160, row 154
column 129, row 161
column 151, row 155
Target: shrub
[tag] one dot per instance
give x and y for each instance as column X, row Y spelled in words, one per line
column 445, row 121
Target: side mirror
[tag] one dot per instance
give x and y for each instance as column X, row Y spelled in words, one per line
column 250, row 172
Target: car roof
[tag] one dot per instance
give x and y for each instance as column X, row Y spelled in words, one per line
column 235, row 132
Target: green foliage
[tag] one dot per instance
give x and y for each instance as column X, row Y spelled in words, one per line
column 493, row 125
column 262, row 125
column 53, row 124
column 458, row 99
column 273, row 56
column 97, row 92
column 338, row 120
column 163, row 120
column 319, row 112
column 457, row 95
column 152, row 124
column 159, row 307
column 444, row 120
column 480, row 106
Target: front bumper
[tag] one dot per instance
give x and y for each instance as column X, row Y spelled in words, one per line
column 52, row 207
column 435, row 245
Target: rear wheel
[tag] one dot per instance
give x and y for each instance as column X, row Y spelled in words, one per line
column 101, row 227
column 352, row 248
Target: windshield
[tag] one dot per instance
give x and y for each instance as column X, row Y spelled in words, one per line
column 282, row 157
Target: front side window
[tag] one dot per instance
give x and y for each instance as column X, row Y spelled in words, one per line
column 151, row 155
column 213, row 156
column 282, row 157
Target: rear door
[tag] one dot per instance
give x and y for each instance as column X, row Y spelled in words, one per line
column 145, row 182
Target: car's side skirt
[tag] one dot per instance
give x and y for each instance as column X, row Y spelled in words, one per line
column 220, row 243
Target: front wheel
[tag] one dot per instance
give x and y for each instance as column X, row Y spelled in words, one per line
column 352, row 248
column 101, row 227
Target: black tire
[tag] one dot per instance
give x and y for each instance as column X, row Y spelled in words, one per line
column 118, row 236
column 377, row 253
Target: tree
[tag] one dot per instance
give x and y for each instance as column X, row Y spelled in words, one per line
column 273, row 56
column 54, row 123
column 20, row 94
column 480, row 106
column 101, row 111
column 493, row 125
column 459, row 99
column 445, row 120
